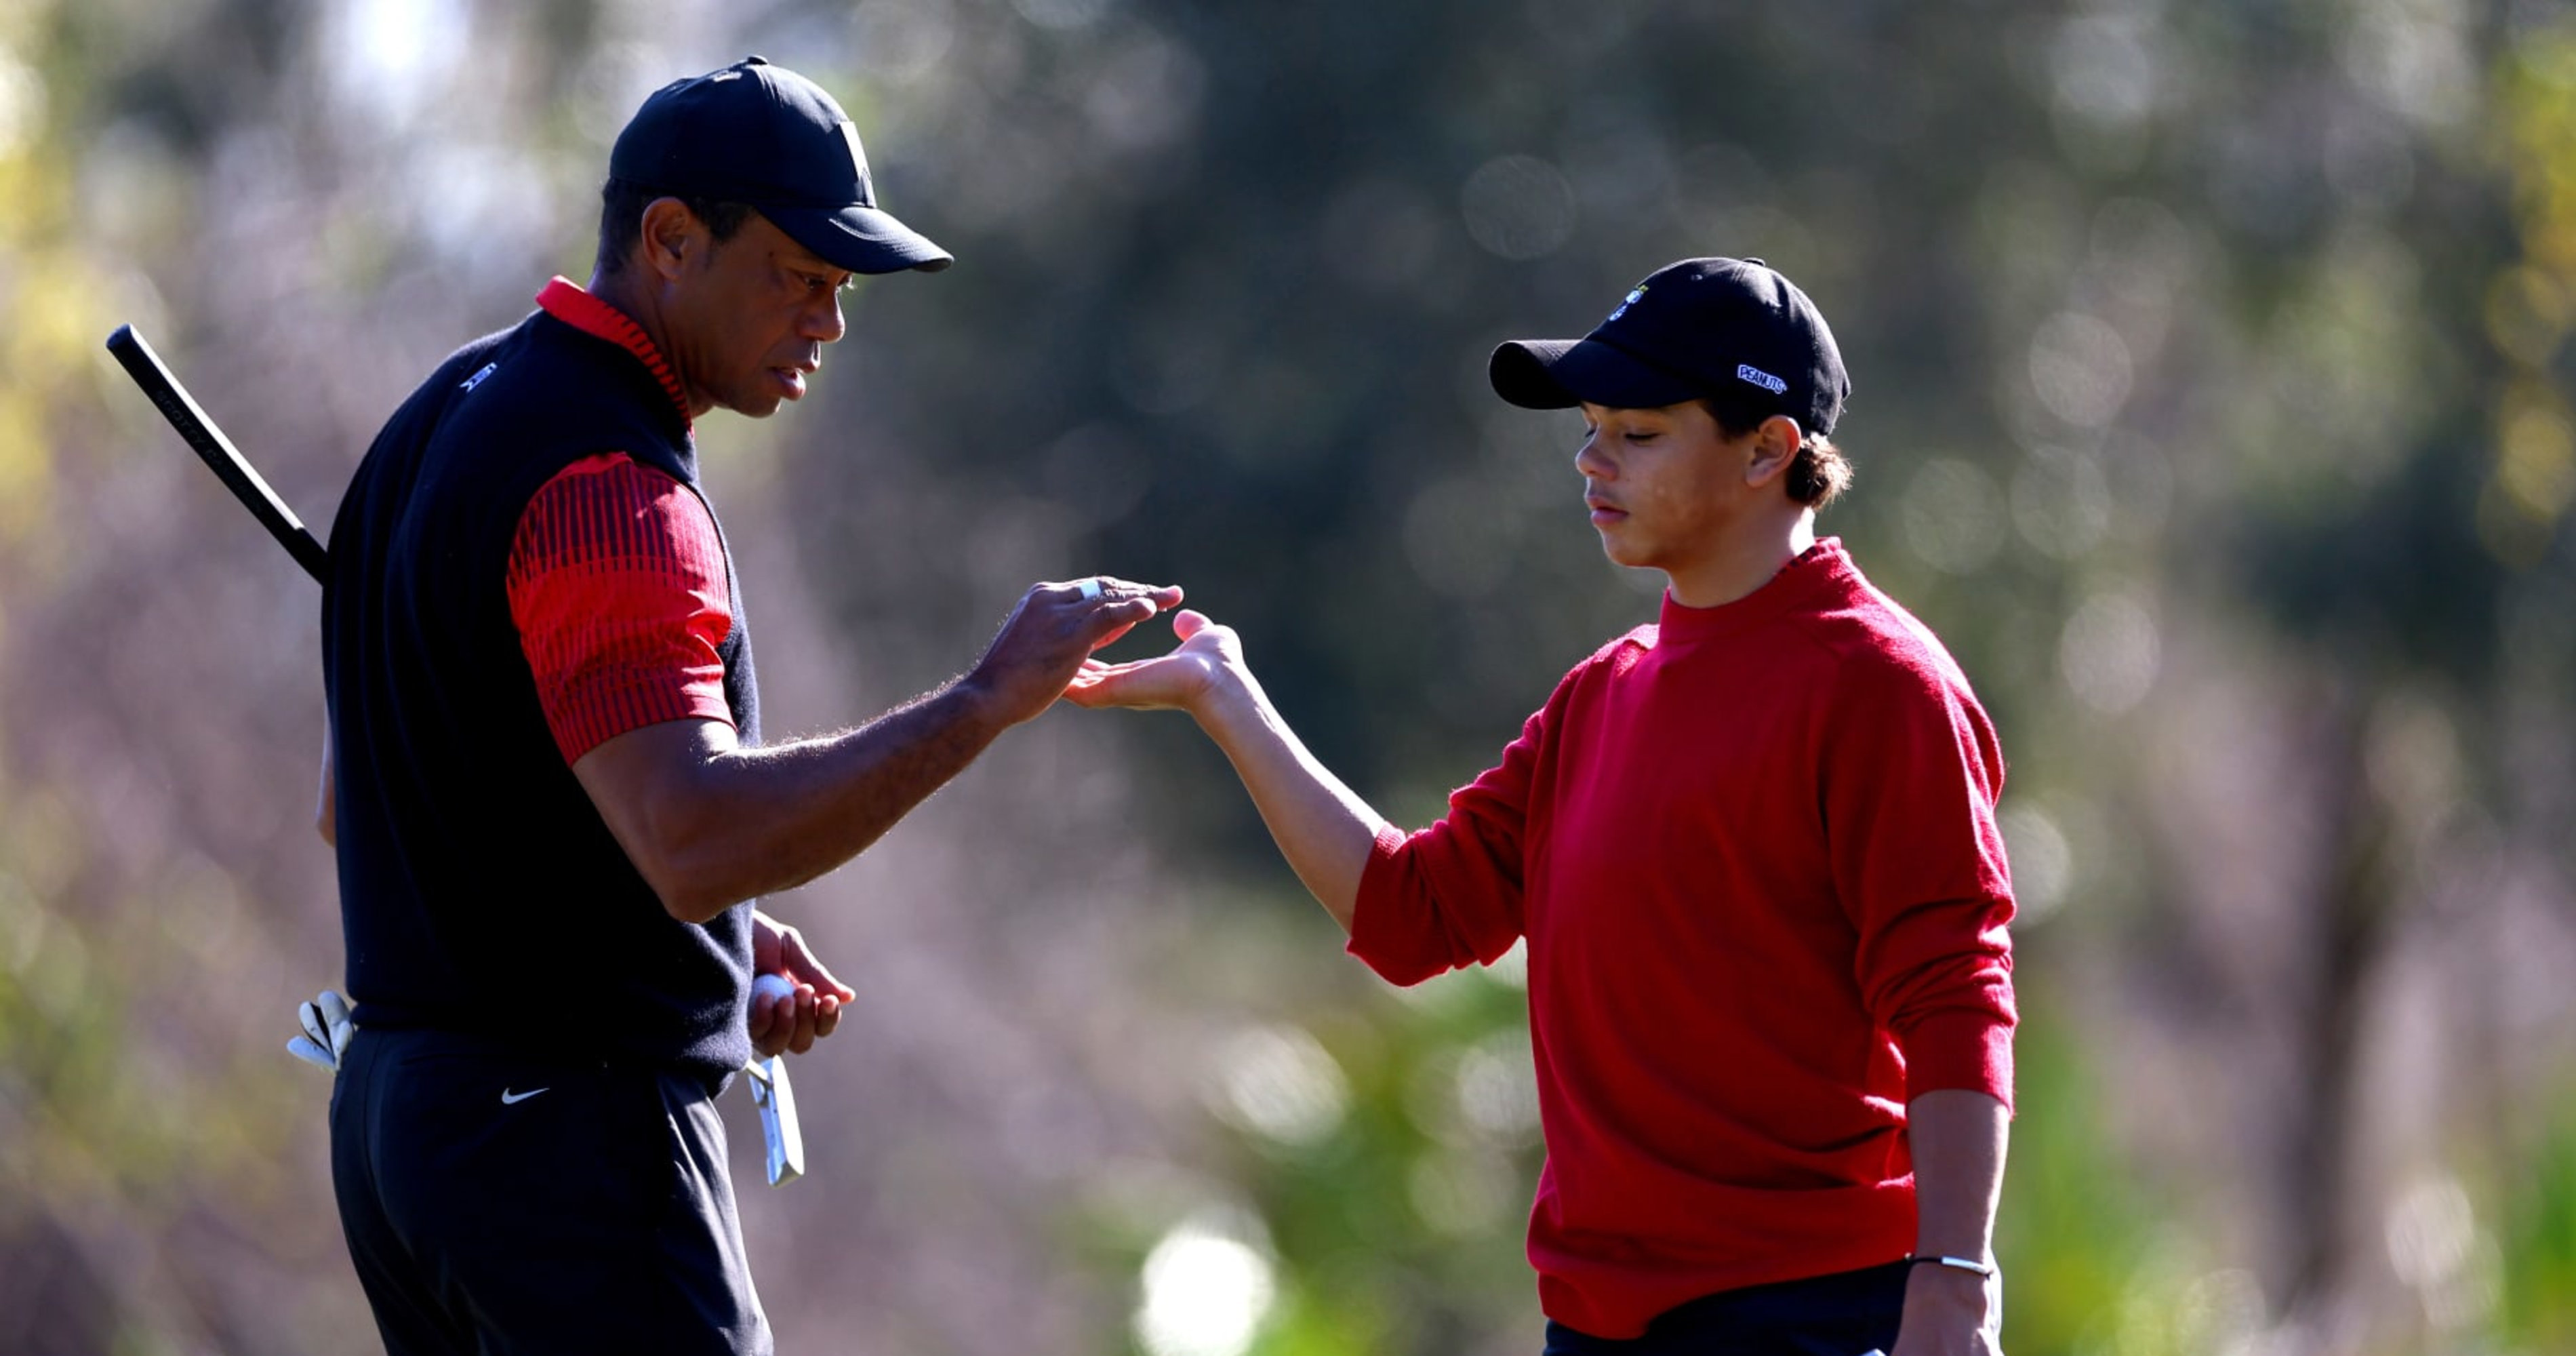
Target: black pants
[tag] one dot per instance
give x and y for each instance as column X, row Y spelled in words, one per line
column 496, row 1202
column 1844, row 1314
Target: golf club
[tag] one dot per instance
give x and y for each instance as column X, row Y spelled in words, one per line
column 216, row 450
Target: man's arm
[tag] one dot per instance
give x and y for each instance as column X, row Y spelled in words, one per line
column 1322, row 827
column 1958, row 1139
column 709, row 823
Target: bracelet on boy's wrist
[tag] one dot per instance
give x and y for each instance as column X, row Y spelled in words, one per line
column 1985, row 1269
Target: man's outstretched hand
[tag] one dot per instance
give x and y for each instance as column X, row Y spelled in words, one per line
column 1208, row 656
column 1050, row 636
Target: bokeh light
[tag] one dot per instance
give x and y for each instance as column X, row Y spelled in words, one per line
column 2108, row 652
column 2061, row 501
column 1953, row 515
column 2080, row 369
column 2043, row 866
column 1519, row 207
column 1206, row 1291
column 1280, row 1083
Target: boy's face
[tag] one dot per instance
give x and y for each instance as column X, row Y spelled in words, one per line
column 1666, row 486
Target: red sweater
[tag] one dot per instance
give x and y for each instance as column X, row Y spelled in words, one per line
column 1753, row 850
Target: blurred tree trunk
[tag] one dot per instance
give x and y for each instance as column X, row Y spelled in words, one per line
column 2351, row 920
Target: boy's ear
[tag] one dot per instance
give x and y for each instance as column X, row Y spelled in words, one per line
column 1775, row 446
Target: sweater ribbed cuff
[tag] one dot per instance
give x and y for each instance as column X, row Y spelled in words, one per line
column 1373, row 935
column 1966, row 1050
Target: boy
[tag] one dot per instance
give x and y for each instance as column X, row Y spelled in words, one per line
column 1752, row 849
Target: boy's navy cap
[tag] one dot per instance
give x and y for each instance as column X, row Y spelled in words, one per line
column 1699, row 328
column 768, row 138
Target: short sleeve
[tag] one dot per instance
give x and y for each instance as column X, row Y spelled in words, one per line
column 617, row 584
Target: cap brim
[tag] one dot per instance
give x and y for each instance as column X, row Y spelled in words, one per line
column 1554, row 374
column 860, row 239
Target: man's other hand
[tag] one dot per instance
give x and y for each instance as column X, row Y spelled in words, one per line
column 791, row 1023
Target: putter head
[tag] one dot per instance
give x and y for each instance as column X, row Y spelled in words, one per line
column 781, row 1137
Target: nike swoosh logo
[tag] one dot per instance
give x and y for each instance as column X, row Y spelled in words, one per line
column 509, row 1098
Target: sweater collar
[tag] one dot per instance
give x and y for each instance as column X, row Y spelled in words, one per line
column 570, row 303
column 1797, row 582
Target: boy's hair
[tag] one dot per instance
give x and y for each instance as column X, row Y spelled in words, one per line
column 621, row 218
column 1818, row 475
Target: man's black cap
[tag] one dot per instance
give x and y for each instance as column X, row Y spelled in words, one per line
column 1698, row 328
column 764, row 136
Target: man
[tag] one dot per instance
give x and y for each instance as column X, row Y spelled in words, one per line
column 546, row 785
column 1752, row 850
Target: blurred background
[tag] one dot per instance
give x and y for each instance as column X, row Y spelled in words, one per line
column 2212, row 402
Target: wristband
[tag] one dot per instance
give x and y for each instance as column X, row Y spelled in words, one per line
column 1985, row 1269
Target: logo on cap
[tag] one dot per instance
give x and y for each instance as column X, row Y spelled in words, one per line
column 1628, row 301
column 1768, row 382
column 858, row 155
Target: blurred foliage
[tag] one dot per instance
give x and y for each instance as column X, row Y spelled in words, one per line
column 2213, row 403
column 2539, row 1239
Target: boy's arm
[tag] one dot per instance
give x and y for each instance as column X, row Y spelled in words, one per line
column 1322, row 827
column 1912, row 777
column 1958, row 1138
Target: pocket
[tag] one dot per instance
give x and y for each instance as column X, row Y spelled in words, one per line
column 616, row 1125
column 689, row 1165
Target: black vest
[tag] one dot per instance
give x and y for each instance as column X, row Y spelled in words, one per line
column 479, row 889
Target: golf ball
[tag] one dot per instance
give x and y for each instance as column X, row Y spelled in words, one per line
column 773, row 986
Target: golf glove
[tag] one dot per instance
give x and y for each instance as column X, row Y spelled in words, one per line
column 326, row 1031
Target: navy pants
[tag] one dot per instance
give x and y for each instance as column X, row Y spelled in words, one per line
column 1844, row 1314
column 497, row 1202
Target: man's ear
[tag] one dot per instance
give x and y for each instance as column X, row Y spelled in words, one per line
column 671, row 236
column 1775, row 446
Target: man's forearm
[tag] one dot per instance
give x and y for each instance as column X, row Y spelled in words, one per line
column 1322, row 827
column 710, row 823
column 802, row 808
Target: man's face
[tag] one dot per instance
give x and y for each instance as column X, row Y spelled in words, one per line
column 1664, row 485
column 747, row 319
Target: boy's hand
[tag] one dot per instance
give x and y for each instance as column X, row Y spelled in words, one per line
column 1184, row 679
column 1949, row 1312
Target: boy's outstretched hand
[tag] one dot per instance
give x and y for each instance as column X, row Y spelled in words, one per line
column 1324, row 830
column 1208, row 656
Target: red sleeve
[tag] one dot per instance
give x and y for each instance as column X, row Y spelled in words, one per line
column 1912, row 772
column 1450, row 895
column 617, row 583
